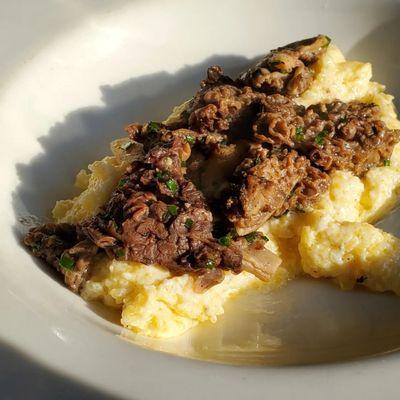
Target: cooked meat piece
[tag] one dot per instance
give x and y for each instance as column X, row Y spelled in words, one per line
column 277, row 124
column 286, row 70
column 221, row 106
column 63, row 247
column 306, row 192
column 266, row 185
column 333, row 136
column 352, row 137
column 158, row 216
column 83, row 255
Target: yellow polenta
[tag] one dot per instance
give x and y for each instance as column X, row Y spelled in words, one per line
column 333, row 240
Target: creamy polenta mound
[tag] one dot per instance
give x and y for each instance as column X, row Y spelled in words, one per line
column 334, row 239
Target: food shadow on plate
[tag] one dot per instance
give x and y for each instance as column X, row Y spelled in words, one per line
column 84, row 135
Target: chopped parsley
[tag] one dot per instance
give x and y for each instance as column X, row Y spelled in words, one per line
column 251, row 237
column 122, row 182
column 299, row 133
column 188, row 223
column 210, row 264
column 153, row 127
column 343, row 120
column 386, row 163
column 225, row 240
column 66, row 262
column 120, row 252
column 320, row 138
column 162, row 175
column 172, row 209
column 172, row 185
column 127, row 145
column 257, row 160
column 190, row 139
column 36, row 247
column 265, row 237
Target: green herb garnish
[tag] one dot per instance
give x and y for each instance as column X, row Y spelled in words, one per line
column 172, row 185
column 183, row 163
column 225, row 240
column 172, row 209
column 122, row 182
column 188, row 223
column 36, row 247
column 210, row 264
column 120, row 252
column 265, row 237
column 257, row 161
column 153, row 127
column 251, row 237
column 343, row 120
column 190, row 139
column 320, row 138
column 162, row 175
column 66, row 262
column 127, row 145
column 386, row 163
column 299, row 133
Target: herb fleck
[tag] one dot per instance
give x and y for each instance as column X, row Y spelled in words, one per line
column 172, row 185
column 162, row 175
column 153, row 127
column 66, row 262
column 188, row 223
column 386, row 163
column 190, row 139
column 210, row 264
column 225, row 240
column 251, row 237
column 120, row 252
column 299, row 133
column 320, row 138
column 122, row 182
column 172, row 209
column 127, row 145
column 36, row 247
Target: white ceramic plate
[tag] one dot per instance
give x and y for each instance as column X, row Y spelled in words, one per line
column 72, row 74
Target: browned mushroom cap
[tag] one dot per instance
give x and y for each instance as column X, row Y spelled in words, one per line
column 286, row 70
